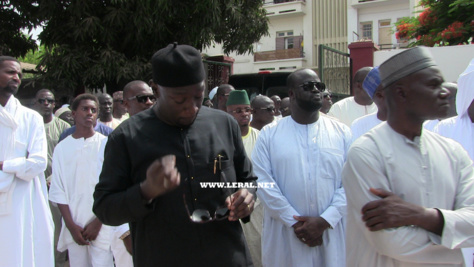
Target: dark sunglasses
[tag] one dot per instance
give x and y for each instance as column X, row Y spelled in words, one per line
column 118, row 101
column 269, row 109
column 221, row 213
column 46, row 100
column 284, row 109
column 242, row 110
column 203, row 216
column 327, row 95
column 309, row 86
column 143, row 98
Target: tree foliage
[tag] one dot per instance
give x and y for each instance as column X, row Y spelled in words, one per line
column 442, row 22
column 16, row 15
column 33, row 56
column 92, row 42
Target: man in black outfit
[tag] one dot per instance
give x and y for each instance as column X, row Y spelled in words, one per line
column 155, row 164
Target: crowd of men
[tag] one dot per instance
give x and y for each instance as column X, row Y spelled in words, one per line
column 156, row 175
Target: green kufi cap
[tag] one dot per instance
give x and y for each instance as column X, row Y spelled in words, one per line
column 238, row 97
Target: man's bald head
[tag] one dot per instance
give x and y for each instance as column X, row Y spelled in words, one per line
column 42, row 91
column 261, row 101
column 138, row 96
column 222, row 94
column 263, row 111
column 360, row 95
column 277, row 101
column 360, row 75
column 106, row 104
column 45, row 104
column 285, row 107
column 293, row 80
column 133, row 85
column 104, row 96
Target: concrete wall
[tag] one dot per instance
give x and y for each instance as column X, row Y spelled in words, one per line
column 452, row 60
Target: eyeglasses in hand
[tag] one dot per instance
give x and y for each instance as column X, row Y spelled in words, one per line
column 143, row 98
column 309, row 86
column 221, row 213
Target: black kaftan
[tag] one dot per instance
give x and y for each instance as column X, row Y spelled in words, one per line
column 162, row 233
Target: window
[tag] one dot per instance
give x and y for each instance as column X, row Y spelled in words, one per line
column 385, row 34
column 285, row 40
column 284, row 33
column 289, row 42
column 366, row 29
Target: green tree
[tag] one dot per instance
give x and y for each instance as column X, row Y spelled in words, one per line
column 16, row 15
column 33, row 56
column 92, row 42
column 442, row 22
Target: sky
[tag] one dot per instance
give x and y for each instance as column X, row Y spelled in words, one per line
column 35, row 33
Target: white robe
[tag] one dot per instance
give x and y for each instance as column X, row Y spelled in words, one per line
column 121, row 255
column 347, row 110
column 305, row 163
column 430, row 125
column 253, row 229
column 76, row 167
column 431, row 171
column 26, row 225
column 363, row 124
column 461, row 128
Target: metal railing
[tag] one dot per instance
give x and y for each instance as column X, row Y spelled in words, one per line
column 267, row 2
column 335, row 68
column 278, row 54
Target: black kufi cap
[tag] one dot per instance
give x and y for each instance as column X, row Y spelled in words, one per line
column 177, row 65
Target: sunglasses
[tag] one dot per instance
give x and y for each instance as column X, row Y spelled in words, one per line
column 269, row 109
column 46, row 100
column 327, row 95
column 284, row 109
column 118, row 101
column 204, row 216
column 309, row 86
column 240, row 110
column 143, row 98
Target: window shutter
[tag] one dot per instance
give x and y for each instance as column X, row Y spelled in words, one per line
column 297, row 41
column 280, row 43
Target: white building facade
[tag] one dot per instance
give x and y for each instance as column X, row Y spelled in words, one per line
column 298, row 27
column 374, row 20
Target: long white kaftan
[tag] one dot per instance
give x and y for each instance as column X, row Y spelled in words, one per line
column 76, row 167
column 432, row 171
column 461, row 128
column 305, row 163
column 26, row 226
column 253, row 229
column 363, row 124
column 347, row 110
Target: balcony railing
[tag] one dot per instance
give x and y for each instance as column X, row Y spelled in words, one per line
column 279, row 54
